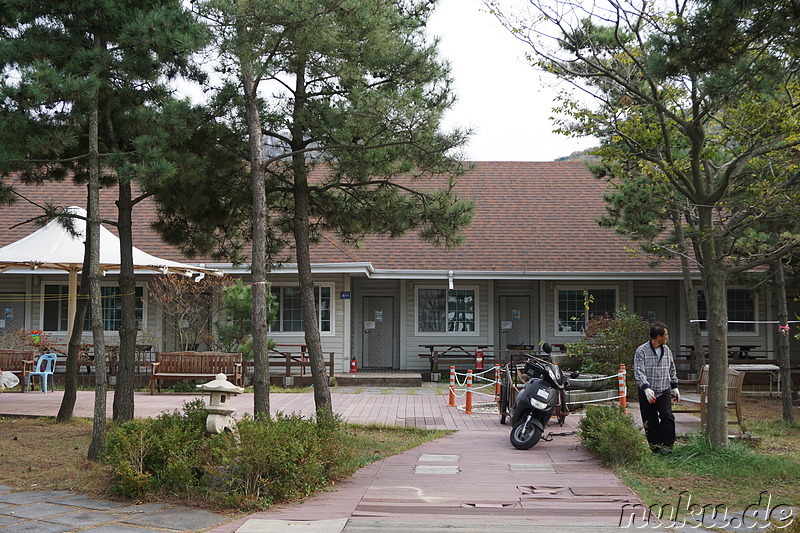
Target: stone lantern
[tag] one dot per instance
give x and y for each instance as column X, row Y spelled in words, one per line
column 219, row 408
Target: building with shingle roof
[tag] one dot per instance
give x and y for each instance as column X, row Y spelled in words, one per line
column 532, row 254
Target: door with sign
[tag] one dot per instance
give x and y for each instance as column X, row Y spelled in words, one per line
column 12, row 316
column 652, row 309
column 515, row 320
column 379, row 341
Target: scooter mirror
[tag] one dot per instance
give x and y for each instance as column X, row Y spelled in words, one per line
column 546, row 348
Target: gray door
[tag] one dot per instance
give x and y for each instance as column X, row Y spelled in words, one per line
column 652, row 309
column 378, row 332
column 515, row 321
column 12, row 312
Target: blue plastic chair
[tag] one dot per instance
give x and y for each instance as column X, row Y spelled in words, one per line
column 45, row 366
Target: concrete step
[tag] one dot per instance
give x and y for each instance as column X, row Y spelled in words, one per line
column 378, row 379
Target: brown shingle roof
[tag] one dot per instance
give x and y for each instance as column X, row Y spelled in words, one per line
column 530, row 217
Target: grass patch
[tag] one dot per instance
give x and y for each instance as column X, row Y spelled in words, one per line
column 38, row 454
column 733, row 477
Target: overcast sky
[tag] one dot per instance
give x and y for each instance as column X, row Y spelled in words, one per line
column 505, row 101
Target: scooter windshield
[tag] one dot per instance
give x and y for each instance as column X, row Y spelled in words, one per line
column 556, row 376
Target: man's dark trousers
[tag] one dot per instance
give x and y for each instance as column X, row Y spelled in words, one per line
column 658, row 420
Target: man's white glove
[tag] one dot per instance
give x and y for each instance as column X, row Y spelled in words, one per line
column 651, row 396
column 676, row 394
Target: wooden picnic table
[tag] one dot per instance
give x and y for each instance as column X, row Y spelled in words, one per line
column 299, row 356
column 774, row 372
column 736, row 351
column 455, row 353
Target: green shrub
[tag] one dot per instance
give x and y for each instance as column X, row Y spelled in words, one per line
column 610, row 341
column 280, row 460
column 613, row 436
column 273, row 461
column 184, row 385
column 235, row 333
column 168, row 453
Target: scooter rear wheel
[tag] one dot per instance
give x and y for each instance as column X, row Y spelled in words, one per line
column 525, row 436
column 503, row 402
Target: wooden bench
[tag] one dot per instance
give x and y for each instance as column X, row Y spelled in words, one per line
column 19, row 362
column 698, row 401
column 196, row 365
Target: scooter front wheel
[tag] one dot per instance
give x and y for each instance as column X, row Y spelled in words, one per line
column 525, row 434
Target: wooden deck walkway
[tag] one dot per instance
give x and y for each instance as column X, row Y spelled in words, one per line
column 425, row 408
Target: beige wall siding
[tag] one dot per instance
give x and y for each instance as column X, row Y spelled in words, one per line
column 414, row 339
column 333, row 341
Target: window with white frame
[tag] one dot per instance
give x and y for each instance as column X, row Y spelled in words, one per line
column 290, row 310
column 577, row 306
column 446, row 311
column 741, row 311
column 55, row 314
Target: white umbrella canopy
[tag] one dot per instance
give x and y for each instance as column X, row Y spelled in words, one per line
column 53, row 247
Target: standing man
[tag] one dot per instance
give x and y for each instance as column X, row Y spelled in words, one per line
column 654, row 371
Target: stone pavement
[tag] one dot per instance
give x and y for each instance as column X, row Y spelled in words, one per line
column 59, row 511
column 470, row 481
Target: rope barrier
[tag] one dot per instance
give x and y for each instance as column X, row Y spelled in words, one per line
column 587, row 380
column 594, row 401
column 467, row 387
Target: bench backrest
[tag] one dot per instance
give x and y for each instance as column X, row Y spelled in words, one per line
column 735, row 381
column 199, row 362
column 11, row 360
column 702, row 379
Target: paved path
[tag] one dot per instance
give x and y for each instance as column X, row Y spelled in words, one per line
column 470, row 481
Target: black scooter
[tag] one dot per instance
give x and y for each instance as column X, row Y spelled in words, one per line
column 530, row 409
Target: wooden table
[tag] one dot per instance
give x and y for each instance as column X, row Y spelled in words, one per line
column 737, row 351
column 459, row 352
column 773, row 370
column 741, row 351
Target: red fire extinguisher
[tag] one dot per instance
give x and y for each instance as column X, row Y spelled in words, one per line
column 353, row 365
column 479, row 359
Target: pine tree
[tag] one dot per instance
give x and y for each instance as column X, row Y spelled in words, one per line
column 347, row 96
column 694, row 105
column 79, row 72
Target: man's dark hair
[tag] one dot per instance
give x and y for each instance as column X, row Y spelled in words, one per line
column 657, row 329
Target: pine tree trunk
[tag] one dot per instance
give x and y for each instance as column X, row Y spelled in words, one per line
column 93, row 239
column 259, row 262
column 302, row 238
column 126, row 362
column 67, row 408
column 717, row 414
column 322, row 391
column 698, row 354
column 784, row 362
